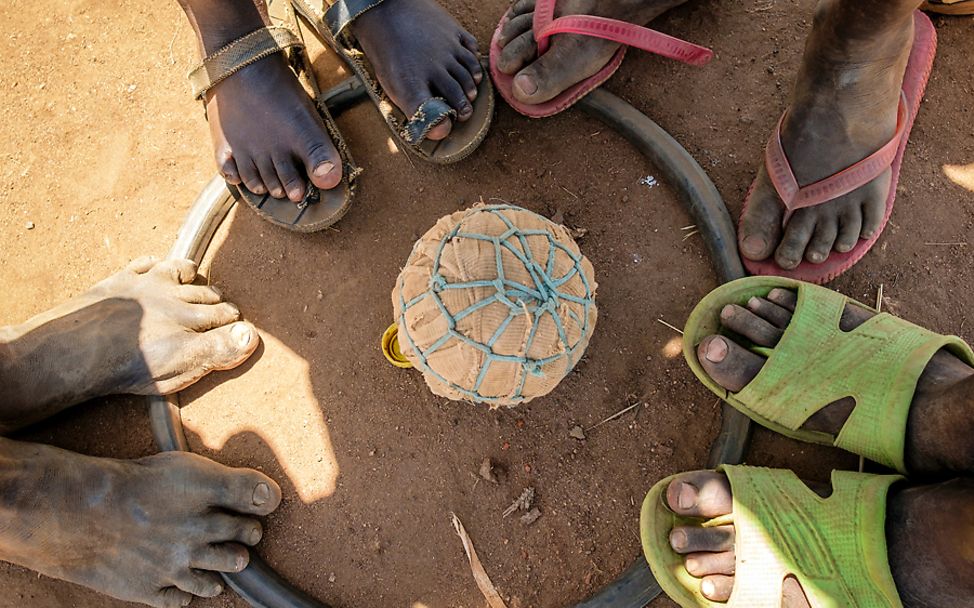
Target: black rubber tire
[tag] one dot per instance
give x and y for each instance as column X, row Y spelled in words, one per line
column 259, row 584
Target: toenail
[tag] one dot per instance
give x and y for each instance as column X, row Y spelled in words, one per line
column 687, row 496
column 754, row 244
column 816, row 257
column 753, row 302
column 707, row 587
column 218, row 590
column 277, row 193
column 262, row 493
column 295, row 194
column 257, row 189
column 324, row 168
column 716, row 350
column 691, row 564
column 255, row 536
column 527, row 84
column 466, row 111
column 242, row 334
column 241, row 563
column 478, row 77
column 727, row 312
column 678, row 539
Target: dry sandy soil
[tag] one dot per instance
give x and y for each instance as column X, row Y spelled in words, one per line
column 103, row 151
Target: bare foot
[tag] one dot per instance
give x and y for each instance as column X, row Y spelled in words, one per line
column 940, row 425
column 266, row 131
column 154, row 530
column 419, row 51
column 928, row 530
column 145, row 330
column 843, row 109
column 571, row 58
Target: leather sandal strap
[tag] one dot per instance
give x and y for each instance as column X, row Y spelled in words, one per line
column 795, row 196
column 343, row 12
column 239, row 54
column 429, row 114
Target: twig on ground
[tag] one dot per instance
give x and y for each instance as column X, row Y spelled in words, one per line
column 690, row 227
column 661, row 321
column 568, row 191
column 614, row 416
column 689, row 234
column 957, row 244
column 476, row 568
column 522, row 502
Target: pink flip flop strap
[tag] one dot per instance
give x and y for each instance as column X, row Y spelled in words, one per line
column 628, row 34
column 796, row 197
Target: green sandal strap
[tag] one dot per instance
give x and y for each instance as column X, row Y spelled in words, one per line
column 240, row 53
column 816, row 363
column 835, row 547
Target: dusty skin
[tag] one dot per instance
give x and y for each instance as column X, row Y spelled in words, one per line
column 104, row 150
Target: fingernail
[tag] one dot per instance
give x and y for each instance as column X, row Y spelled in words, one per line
column 716, row 350
column 686, row 497
column 527, row 84
column 255, row 536
column 262, row 494
column 242, row 334
column 324, row 168
column 754, row 244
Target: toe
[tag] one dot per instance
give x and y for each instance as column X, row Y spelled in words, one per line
column 751, row 326
column 247, row 491
column 205, row 317
column 409, row 104
column 199, row 294
column 784, row 298
column 171, row 597
column 717, row 587
column 706, row 564
column 290, row 177
column 795, row 240
column 227, row 165
column 823, row 238
column 778, row 316
column 522, row 6
column 850, row 227
column 471, row 64
column 693, row 539
column 268, row 175
column 143, row 264
column 514, row 28
column 464, row 78
column 322, row 162
column 226, row 557
column 566, row 63
column 251, row 177
column 517, row 53
column 180, row 271
column 223, row 528
column 201, row 584
column 700, row 494
column 727, row 363
column 469, row 42
column 873, row 210
column 454, row 92
column 760, row 226
column 228, row 346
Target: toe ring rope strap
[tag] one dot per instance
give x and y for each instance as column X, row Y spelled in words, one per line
column 429, row 114
column 651, row 41
column 795, row 196
column 239, row 54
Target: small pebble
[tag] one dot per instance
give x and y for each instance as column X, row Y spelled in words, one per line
column 30, row 225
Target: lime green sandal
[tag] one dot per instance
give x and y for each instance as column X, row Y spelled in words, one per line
column 835, row 547
column 815, row 363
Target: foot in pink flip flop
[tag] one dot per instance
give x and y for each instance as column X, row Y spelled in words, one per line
column 580, row 44
column 826, row 188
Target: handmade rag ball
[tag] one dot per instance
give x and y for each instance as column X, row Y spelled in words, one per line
column 496, row 304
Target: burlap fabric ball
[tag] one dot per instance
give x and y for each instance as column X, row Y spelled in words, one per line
column 495, row 305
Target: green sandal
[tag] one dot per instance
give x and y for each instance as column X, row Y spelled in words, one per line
column 835, row 547
column 815, row 363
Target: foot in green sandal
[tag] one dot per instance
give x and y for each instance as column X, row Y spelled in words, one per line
column 266, row 132
column 918, row 557
column 743, row 333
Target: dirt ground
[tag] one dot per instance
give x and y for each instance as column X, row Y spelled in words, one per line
column 104, row 151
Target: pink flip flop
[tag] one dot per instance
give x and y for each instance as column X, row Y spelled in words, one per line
column 545, row 25
column 795, row 196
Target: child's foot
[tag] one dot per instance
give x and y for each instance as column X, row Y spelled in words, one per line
column 419, row 51
column 571, row 58
column 843, row 109
column 929, row 530
column 155, row 530
column 144, row 330
column 940, row 426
